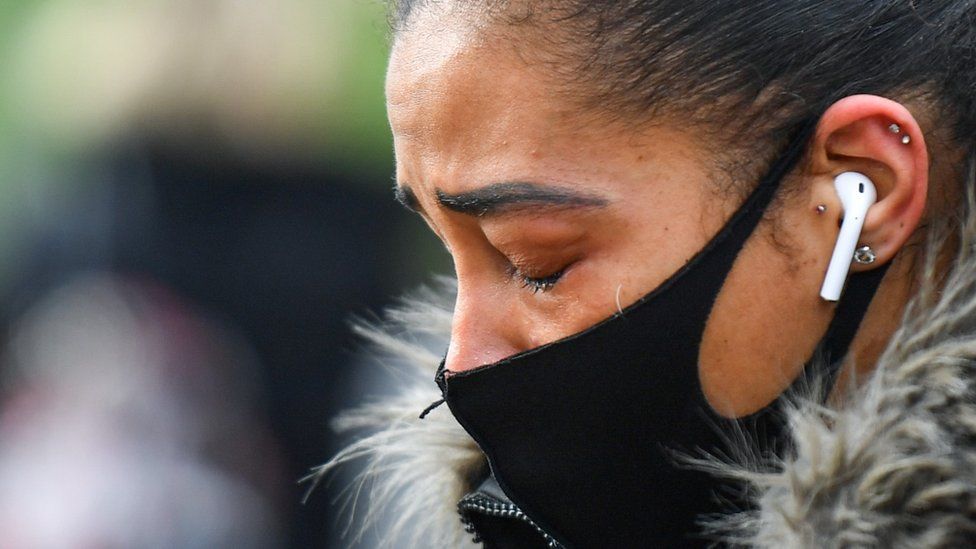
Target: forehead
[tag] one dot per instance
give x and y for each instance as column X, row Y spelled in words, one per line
column 440, row 48
column 454, row 90
column 468, row 109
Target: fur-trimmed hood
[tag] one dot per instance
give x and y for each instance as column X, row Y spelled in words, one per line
column 893, row 466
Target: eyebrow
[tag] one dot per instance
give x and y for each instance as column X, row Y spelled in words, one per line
column 500, row 198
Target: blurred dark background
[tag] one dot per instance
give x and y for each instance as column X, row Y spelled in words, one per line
column 195, row 201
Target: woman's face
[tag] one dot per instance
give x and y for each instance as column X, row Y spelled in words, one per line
column 554, row 224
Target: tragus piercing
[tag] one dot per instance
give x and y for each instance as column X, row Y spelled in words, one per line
column 864, row 255
column 821, row 209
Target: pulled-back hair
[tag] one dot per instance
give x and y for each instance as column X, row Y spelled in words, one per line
column 741, row 65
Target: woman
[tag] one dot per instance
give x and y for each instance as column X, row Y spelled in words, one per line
column 641, row 201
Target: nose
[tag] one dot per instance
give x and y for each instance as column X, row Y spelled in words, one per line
column 484, row 329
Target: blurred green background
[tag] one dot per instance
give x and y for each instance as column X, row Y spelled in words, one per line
column 234, row 153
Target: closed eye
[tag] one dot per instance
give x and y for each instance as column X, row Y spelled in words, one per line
column 536, row 283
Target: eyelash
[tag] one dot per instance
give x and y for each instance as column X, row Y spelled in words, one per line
column 533, row 283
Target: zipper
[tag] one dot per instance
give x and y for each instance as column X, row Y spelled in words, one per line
column 486, row 505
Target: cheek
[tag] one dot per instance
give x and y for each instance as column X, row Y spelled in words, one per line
column 622, row 259
column 612, row 275
column 766, row 321
column 640, row 258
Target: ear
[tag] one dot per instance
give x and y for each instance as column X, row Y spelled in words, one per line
column 881, row 139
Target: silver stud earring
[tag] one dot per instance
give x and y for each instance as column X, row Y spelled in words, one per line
column 821, row 209
column 864, row 255
column 895, row 128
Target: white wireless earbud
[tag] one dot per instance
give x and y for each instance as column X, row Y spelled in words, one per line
column 857, row 194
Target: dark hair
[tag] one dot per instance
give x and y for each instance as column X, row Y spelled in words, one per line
column 766, row 64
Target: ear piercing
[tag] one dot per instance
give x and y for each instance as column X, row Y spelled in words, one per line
column 864, row 255
column 821, row 209
column 895, row 128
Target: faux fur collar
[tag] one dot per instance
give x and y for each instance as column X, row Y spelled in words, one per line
column 413, row 471
column 894, row 467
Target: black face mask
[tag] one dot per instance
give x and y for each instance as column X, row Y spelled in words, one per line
column 580, row 433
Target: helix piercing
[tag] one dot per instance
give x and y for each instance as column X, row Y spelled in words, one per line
column 895, row 128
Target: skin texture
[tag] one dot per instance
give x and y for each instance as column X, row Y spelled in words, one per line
column 469, row 115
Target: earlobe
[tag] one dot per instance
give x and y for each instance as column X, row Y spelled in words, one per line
column 881, row 139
